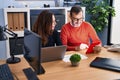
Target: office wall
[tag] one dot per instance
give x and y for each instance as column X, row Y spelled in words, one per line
column 2, row 50
column 19, row 4
column 115, row 27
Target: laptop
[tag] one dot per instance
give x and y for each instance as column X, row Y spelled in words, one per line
column 53, row 53
column 106, row 63
column 114, row 48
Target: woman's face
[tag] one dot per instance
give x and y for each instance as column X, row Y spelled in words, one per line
column 53, row 22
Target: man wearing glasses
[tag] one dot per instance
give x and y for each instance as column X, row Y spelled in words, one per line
column 77, row 33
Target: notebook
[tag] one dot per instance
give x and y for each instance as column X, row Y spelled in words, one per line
column 106, row 63
column 53, row 53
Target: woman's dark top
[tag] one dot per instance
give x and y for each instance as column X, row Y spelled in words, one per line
column 53, row 39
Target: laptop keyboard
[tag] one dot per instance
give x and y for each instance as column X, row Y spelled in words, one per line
column 5, row 73
column 115, row 46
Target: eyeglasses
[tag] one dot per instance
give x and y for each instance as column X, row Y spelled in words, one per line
column 77, row 19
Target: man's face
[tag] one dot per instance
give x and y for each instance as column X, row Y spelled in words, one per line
column 76, row 19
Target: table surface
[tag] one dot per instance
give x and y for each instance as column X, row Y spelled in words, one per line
column 60, row 70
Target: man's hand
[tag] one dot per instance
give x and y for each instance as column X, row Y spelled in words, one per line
column 97, row 49
column 83, row 46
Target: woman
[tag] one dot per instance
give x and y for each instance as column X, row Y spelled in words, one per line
column 44, row 26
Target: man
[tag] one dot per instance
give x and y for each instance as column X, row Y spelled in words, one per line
column 77, row 33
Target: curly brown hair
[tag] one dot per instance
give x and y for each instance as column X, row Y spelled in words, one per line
column 43, row 25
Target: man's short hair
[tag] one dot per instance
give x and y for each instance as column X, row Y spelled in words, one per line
column 75, row 9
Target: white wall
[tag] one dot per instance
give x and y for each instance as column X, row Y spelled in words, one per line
column 115, row 27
